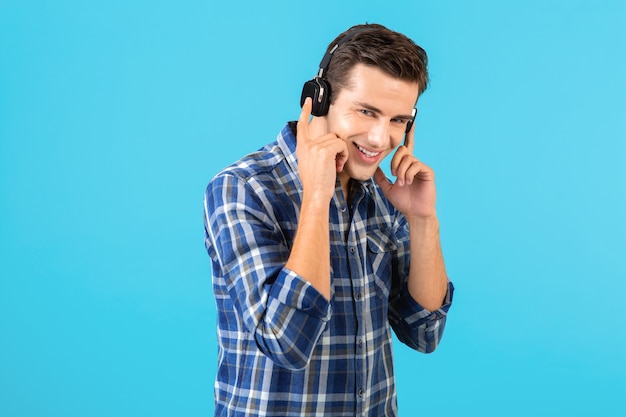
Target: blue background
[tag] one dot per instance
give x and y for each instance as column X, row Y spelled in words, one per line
column 114, row 115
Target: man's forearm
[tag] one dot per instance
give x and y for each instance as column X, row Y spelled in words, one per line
column 428, row 280
column 310, row 255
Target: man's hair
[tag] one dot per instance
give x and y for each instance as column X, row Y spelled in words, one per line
column 375, row 45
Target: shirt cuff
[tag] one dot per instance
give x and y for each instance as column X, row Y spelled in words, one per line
column 292, row 290
column 414, row 314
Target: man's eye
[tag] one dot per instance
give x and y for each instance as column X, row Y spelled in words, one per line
column 366, row 112
column 400, row 121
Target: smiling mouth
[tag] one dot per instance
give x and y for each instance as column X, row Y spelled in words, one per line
column 366, row 152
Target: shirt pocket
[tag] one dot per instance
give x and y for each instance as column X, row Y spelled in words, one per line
column 380, row 248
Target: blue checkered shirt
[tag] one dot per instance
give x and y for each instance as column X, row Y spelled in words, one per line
column 284, row 350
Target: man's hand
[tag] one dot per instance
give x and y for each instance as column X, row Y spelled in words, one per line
column 414, row 192
column 319, row 158
column 414, row 195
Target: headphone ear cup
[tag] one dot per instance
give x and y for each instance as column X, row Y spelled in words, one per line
column 319, row 91
column 409, row 124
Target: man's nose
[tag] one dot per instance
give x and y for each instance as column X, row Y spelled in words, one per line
column 378, row 135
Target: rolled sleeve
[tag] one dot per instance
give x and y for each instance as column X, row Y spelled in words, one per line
column 293, row 291
column 416, row 326
column 295, row 318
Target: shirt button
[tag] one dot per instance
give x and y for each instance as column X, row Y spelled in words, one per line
column 358, row 296
column 343, row 209
column 352, row 249
column 361, row 392
column 361, row 343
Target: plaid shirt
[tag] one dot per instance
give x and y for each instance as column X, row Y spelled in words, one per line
column 284, row 350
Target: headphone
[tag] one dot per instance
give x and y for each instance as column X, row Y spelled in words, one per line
column 319, row 89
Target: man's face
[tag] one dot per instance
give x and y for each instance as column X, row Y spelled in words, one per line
column 371, row 115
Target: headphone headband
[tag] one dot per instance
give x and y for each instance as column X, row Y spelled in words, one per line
column 327, row 57
column 318, row 88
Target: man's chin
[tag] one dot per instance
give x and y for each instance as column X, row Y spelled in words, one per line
column 359, row 174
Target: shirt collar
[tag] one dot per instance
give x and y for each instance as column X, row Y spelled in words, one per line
column 287, row 144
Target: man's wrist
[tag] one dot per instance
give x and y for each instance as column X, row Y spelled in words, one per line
column 315, row 201
column 431, row 221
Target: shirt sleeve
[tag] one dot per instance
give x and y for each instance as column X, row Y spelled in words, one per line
column 284, row 313
column 415, row 326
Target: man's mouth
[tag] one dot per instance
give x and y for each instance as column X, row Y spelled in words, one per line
column 366, row 152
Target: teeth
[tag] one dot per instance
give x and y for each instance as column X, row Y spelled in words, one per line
column 366, row 152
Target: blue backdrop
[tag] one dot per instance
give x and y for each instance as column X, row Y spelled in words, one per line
column 114, row 115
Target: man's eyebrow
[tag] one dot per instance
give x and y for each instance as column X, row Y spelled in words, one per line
column 377, row 110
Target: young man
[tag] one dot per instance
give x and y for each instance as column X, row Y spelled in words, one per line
column 316, row 255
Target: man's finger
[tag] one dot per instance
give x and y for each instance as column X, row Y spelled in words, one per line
column 382, row 181
column 305, row 114
column 342, row 156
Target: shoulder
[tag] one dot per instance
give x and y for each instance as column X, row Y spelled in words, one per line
column 266, row 173
column 274, row 160
column 253, row 165
column 272, row 170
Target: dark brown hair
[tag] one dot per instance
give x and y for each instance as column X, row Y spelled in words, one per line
column 375, row 45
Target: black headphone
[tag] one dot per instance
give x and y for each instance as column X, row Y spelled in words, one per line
column 319, row 89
